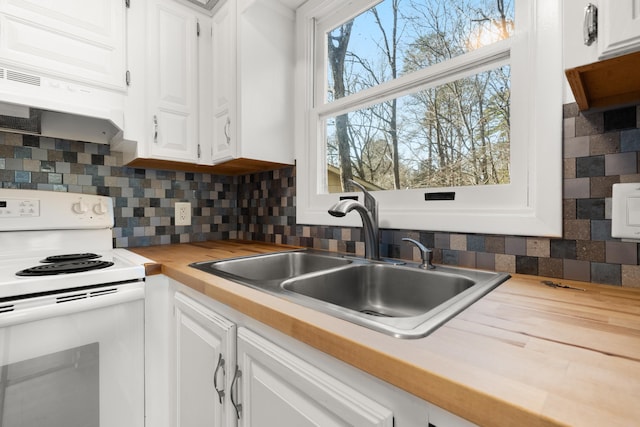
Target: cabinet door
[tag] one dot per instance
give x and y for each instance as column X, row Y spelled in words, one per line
column 619, row 27
column 224, row 82
column 205, row 356
column 279, row 389
column 79, row 40
column 205, row 84
column 173, row 81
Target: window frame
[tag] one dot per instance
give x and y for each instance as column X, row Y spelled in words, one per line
column 531, row 204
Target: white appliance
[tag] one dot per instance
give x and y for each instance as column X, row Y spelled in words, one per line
column 71, row 326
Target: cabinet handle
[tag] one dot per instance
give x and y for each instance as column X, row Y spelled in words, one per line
column 227, row 127
column 155, row 128
column 215, row 377
column 590, row 26
column 236, row 405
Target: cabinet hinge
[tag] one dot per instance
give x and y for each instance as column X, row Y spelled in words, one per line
column 127, row 3
column 127, row 78
column 198, row 28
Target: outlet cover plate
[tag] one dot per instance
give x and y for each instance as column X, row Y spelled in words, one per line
column 183, row 213
column 625, row 211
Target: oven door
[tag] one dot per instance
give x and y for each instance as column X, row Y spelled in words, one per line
column 73, row 359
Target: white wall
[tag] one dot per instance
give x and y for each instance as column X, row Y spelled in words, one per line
column 574, row 50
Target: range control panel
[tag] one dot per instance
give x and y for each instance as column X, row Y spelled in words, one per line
column 13, row 208
column 45, row 210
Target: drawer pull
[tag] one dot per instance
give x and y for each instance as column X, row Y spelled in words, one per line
column 219, row 366
column 236, row 405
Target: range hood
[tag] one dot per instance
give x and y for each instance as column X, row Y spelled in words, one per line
column 33, row 104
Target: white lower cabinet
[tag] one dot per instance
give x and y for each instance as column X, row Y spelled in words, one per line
column 231, row 370
column 205, row 349
column 266, row 386
column 280, row 389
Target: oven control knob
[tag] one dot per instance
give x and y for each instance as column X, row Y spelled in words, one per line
column 100, row 208
column 80, row 207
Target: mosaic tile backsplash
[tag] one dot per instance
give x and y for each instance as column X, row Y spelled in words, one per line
column 143, row 199
column 600, row 149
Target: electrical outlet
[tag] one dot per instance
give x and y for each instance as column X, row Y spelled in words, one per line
column 183, row 213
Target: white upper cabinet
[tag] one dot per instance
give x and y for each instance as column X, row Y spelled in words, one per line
column 173, row 81
column 67, row 56
column 224, row 81
column 600, row 73
column 253, row 63
column 78, row 40
column 618, row 27
column 169, row 51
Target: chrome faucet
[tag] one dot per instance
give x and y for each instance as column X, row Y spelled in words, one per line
column 369, row 214
column 425, row 253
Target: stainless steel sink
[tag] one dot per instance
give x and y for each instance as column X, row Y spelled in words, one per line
column 276, row 266
column 381, row 290
column 400, row 300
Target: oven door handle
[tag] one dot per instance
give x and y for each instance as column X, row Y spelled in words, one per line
column 125, row 293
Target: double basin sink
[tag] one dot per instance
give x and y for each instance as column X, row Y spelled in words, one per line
column 404, row 301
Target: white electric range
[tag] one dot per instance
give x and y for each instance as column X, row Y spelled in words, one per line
column 33, row 272
column 71, row 314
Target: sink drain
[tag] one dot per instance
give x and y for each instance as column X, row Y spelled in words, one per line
column 374, row 313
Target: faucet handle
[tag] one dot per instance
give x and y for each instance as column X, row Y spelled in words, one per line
column 425, row 253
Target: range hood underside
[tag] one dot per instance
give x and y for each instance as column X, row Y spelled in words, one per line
column 35, row 121
column 19, row 119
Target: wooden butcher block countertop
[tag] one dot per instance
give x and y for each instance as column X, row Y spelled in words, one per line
column 524, row 355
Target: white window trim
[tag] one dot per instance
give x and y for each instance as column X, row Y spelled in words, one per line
column 530, row 205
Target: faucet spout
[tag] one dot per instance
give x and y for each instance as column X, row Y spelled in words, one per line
column 369, row 214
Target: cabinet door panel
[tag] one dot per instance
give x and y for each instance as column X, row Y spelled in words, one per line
column 619, row 27
column 224, row 55
column 173, row 134
column 173, row 80
column 276, row 401
column 224, row 81
column 202, row 338
column 74, row 39
column 278, row 388
column 175, row 57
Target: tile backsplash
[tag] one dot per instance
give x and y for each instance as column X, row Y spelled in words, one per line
column 600, row 149
column 143, row 199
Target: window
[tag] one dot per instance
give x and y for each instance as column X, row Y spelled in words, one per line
column 417, row 97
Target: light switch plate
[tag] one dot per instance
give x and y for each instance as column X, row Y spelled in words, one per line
column 183, row 213
column 625, row 211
